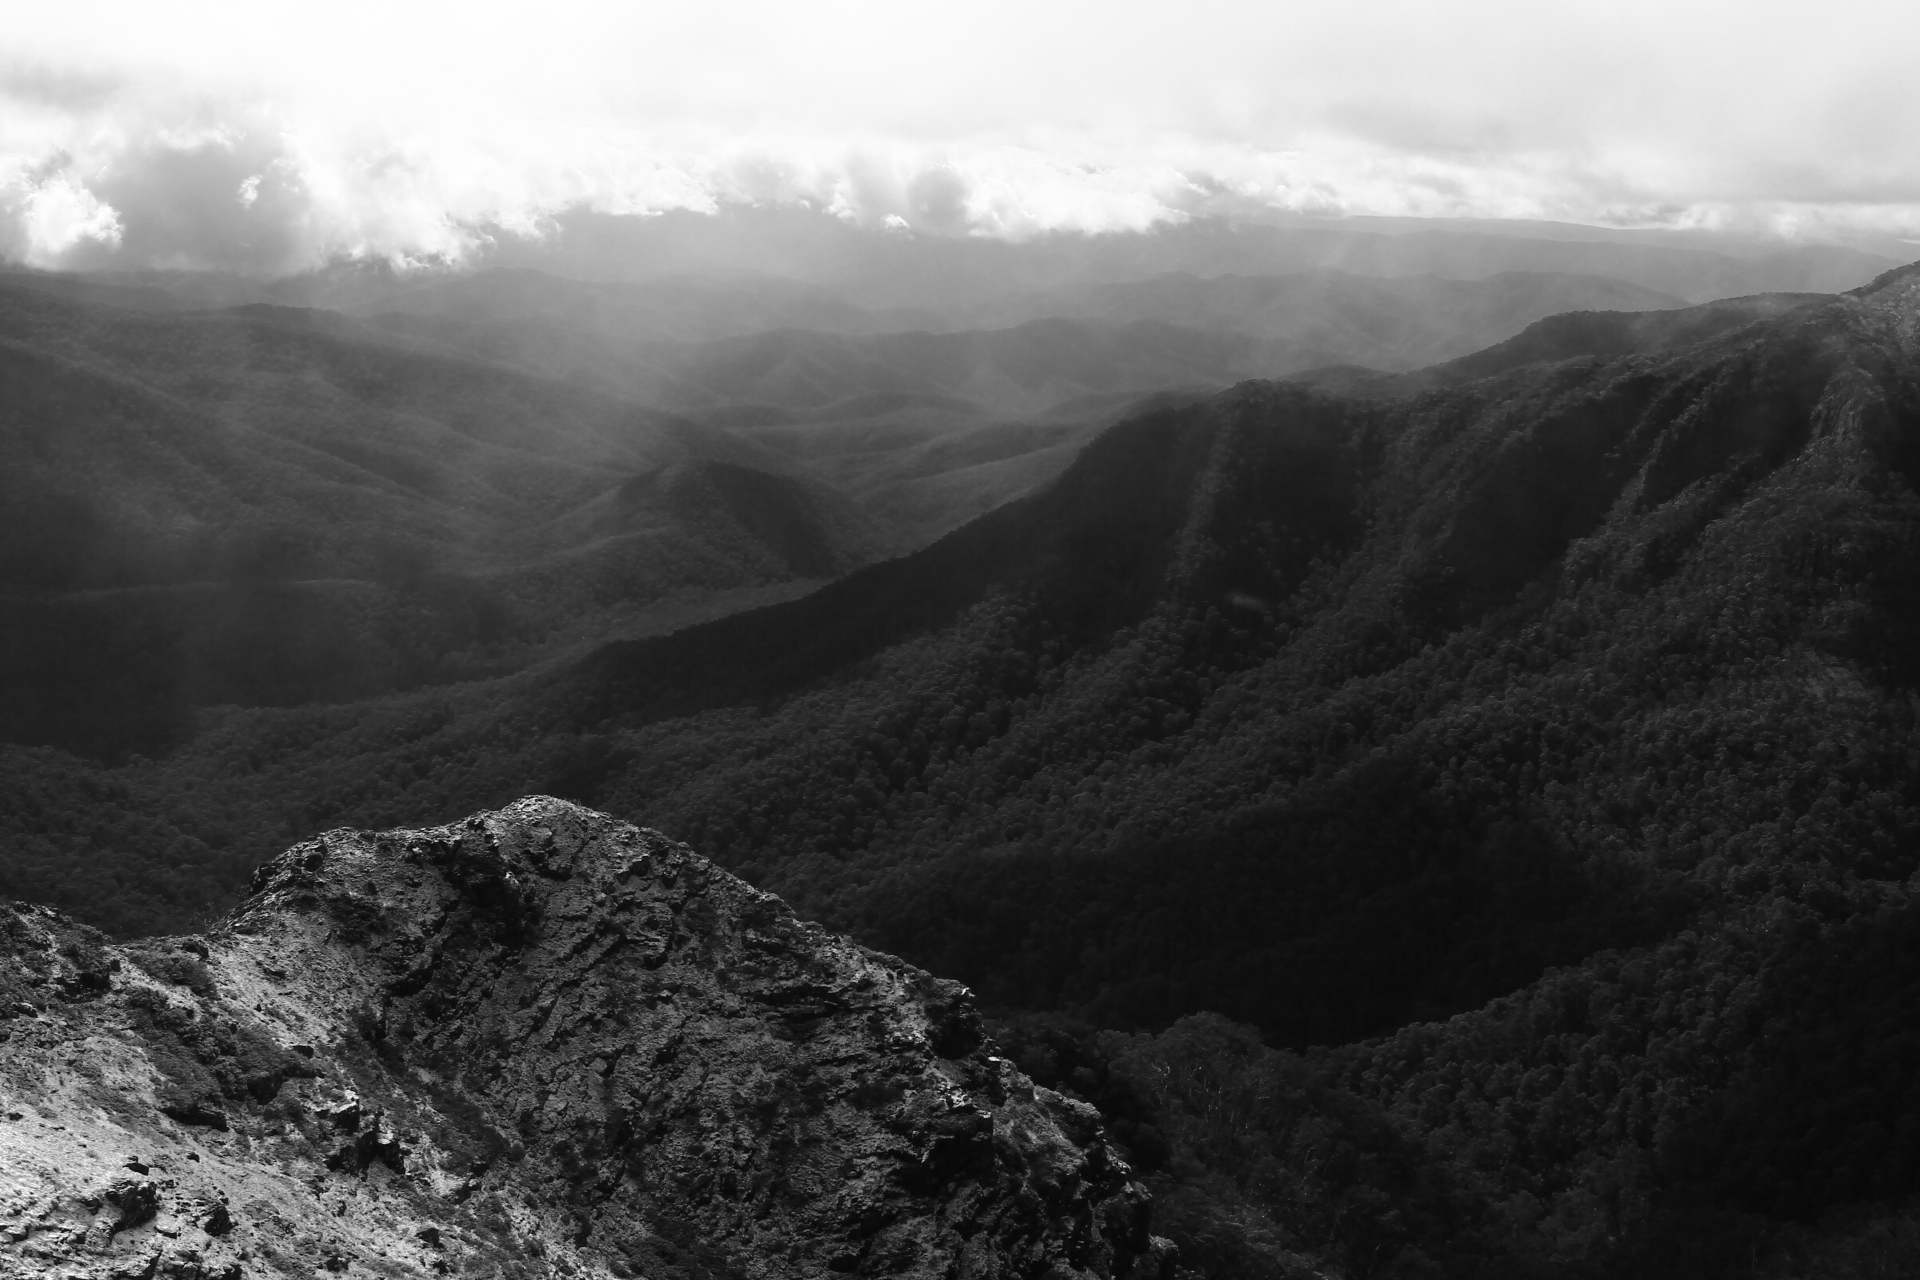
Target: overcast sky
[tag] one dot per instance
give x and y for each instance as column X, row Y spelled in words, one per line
column 266, row 136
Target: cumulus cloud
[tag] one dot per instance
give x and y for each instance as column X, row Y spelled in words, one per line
column 55, row 216
column 271, row 137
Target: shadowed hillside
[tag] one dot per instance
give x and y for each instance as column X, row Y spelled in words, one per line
column 268, row 507
column 1542, row 741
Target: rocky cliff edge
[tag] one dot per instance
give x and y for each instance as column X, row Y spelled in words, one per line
column 538, row 1042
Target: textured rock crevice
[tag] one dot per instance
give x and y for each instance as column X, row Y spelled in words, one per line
column 538, row 1042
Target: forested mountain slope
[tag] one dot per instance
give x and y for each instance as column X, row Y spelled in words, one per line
column 1272, row 608
column 1575, row 703
column 1382, row 563
column 968, row 374
column 930, row 417
column 1605, row 665
column 271, row 506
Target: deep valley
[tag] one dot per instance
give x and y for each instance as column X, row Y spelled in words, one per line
column 1433, row 759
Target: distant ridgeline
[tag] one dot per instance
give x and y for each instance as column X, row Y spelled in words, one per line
column 264, row 506
column 1541, row 730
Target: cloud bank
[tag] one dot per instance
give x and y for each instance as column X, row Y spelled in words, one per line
column 268, row 138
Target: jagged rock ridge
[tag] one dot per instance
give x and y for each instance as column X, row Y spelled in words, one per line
column 537, row 1042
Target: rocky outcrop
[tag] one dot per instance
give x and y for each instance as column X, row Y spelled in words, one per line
column 537, row 1042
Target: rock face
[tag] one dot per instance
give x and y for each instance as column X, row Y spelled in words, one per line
column 537, row 1042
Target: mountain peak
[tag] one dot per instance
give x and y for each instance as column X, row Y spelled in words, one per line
column 1898, row 282
column 1898, row 292
column 538, row 1041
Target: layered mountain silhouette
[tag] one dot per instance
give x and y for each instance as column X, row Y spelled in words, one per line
column 269, row 506
column 878, row 360
column 1293, row 465
column 263, row 504
column 1340, row 716
column 1470, row 812
column 1097, row 545
column 933, row 270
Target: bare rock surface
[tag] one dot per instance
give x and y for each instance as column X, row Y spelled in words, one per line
column 539, row 1042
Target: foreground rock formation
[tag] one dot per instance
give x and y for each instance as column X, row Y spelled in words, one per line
column 537, row 1042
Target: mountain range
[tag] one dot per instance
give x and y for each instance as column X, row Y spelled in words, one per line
column 1449, row 820
column 928, row 414
column 937, row 271
column 262, row 506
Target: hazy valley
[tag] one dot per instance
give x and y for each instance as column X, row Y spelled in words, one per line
column 1418, row 727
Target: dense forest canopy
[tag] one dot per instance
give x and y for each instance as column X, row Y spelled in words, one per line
column 1458, row 823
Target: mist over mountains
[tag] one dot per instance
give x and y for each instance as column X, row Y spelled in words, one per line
column 807, row 258
column 1416, row 726
column 932, row 377
column 933, row 270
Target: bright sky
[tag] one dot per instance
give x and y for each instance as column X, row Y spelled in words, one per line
column 269, row 136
